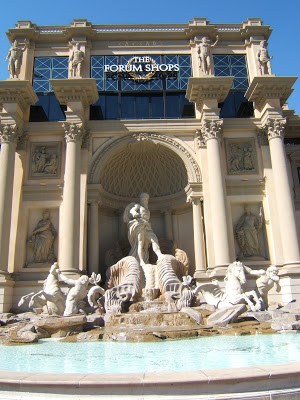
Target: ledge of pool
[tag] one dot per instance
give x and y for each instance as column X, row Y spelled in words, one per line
column 278, row 381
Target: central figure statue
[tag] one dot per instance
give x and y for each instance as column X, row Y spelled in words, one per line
column 140, row 233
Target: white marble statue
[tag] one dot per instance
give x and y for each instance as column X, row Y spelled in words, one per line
column 265, row 282
column 233, row 293
column 76, row 294
column 14, row 55
column 205, row 56
column 51, row 295
column 140, row 233
column 263, row 59
column 247, row 230
column 42, row 240
column 76, row 60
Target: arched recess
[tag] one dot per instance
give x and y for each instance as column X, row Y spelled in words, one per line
column 122, row 168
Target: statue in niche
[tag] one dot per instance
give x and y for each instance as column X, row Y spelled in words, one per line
column 42, row 163
column 14, row 55
column 42, row 240
column 263, row 58
column 247, row 230
column 205, row 56
column 140, row 233
column 76, row 60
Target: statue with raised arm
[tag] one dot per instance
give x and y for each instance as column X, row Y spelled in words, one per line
column 140, row 233
column 205, row 56
column 15, row 59
column 263, row 59
column 246, row 231
column 76, row 294
column 76, row 60
column 265, row 282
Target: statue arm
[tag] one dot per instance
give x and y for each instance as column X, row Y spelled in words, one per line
column 68, row 281
column 216, row 42
column 42, row 228
column 8, row 55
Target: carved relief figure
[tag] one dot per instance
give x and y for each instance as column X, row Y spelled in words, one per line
column 76, row 60
column 205, row 56
column 246, row 230
column 140, row 233
column 44, row 163
column 241, row 158
column 42, row 240
column 15, row 59
column 264, row 59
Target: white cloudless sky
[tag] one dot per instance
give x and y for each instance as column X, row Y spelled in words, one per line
column 282, row 16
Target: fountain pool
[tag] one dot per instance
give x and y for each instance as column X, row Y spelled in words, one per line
column 51, row 355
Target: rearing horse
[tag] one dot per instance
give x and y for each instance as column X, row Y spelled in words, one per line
column 233, row 293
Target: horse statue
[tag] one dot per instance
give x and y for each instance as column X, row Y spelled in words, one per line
column 233, row 293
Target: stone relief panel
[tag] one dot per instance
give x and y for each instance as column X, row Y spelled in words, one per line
column 42, row 240
column 241, row 156
column 45, row 159
column 249, row 232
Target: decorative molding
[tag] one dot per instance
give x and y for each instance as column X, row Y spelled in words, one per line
column 186, row 156
column 262, row 137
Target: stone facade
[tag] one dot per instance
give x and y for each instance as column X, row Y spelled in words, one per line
column 220, row 187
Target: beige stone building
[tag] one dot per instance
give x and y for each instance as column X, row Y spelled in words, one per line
column 94, row 115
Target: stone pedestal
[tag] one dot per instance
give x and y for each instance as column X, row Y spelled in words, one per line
column 6, row 292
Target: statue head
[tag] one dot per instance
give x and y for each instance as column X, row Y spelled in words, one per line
column 204, row 39
column 272, row 273
column 46, row 214
column 54, row 269
column 247, row 209
column 263, row 43
column 77, row 46
column 84, row 279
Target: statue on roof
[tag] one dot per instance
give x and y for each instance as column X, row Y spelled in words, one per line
column 205, row 56
column 263, row 58
column 76, row 60
column 14, row 55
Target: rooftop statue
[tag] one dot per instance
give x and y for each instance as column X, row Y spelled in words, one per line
column 76, row 60
column 140, row 233
column 15, row 59
column 205, row 56
column 264, row 59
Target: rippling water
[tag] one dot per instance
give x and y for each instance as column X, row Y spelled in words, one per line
column 170, row 355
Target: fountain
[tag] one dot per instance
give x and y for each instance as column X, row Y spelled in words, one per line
column 142, row 301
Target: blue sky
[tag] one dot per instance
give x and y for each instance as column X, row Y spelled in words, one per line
column 283, row 17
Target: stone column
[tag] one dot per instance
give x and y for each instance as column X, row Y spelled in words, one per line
column 211, row 131
column 200, row 261
column 9, row 136
column 71, row 199
column 93, row 237
column 284, row 197
column 168, row 224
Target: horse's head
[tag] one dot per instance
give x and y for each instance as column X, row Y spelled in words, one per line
column 237, row 270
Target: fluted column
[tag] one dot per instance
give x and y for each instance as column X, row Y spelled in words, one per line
column 200, row 262
column 93, row 237
column 284, row 198
column 9, row 136
column 71, row 198
column 211, row 131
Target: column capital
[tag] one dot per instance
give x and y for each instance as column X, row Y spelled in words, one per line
column 9, row 133
column 274, row 128
column 74, row 132
column 210, row 129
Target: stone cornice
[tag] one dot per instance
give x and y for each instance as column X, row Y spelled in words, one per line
column 19, row 92
column 263, row 88
column 208, row 88
column 83, row 90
